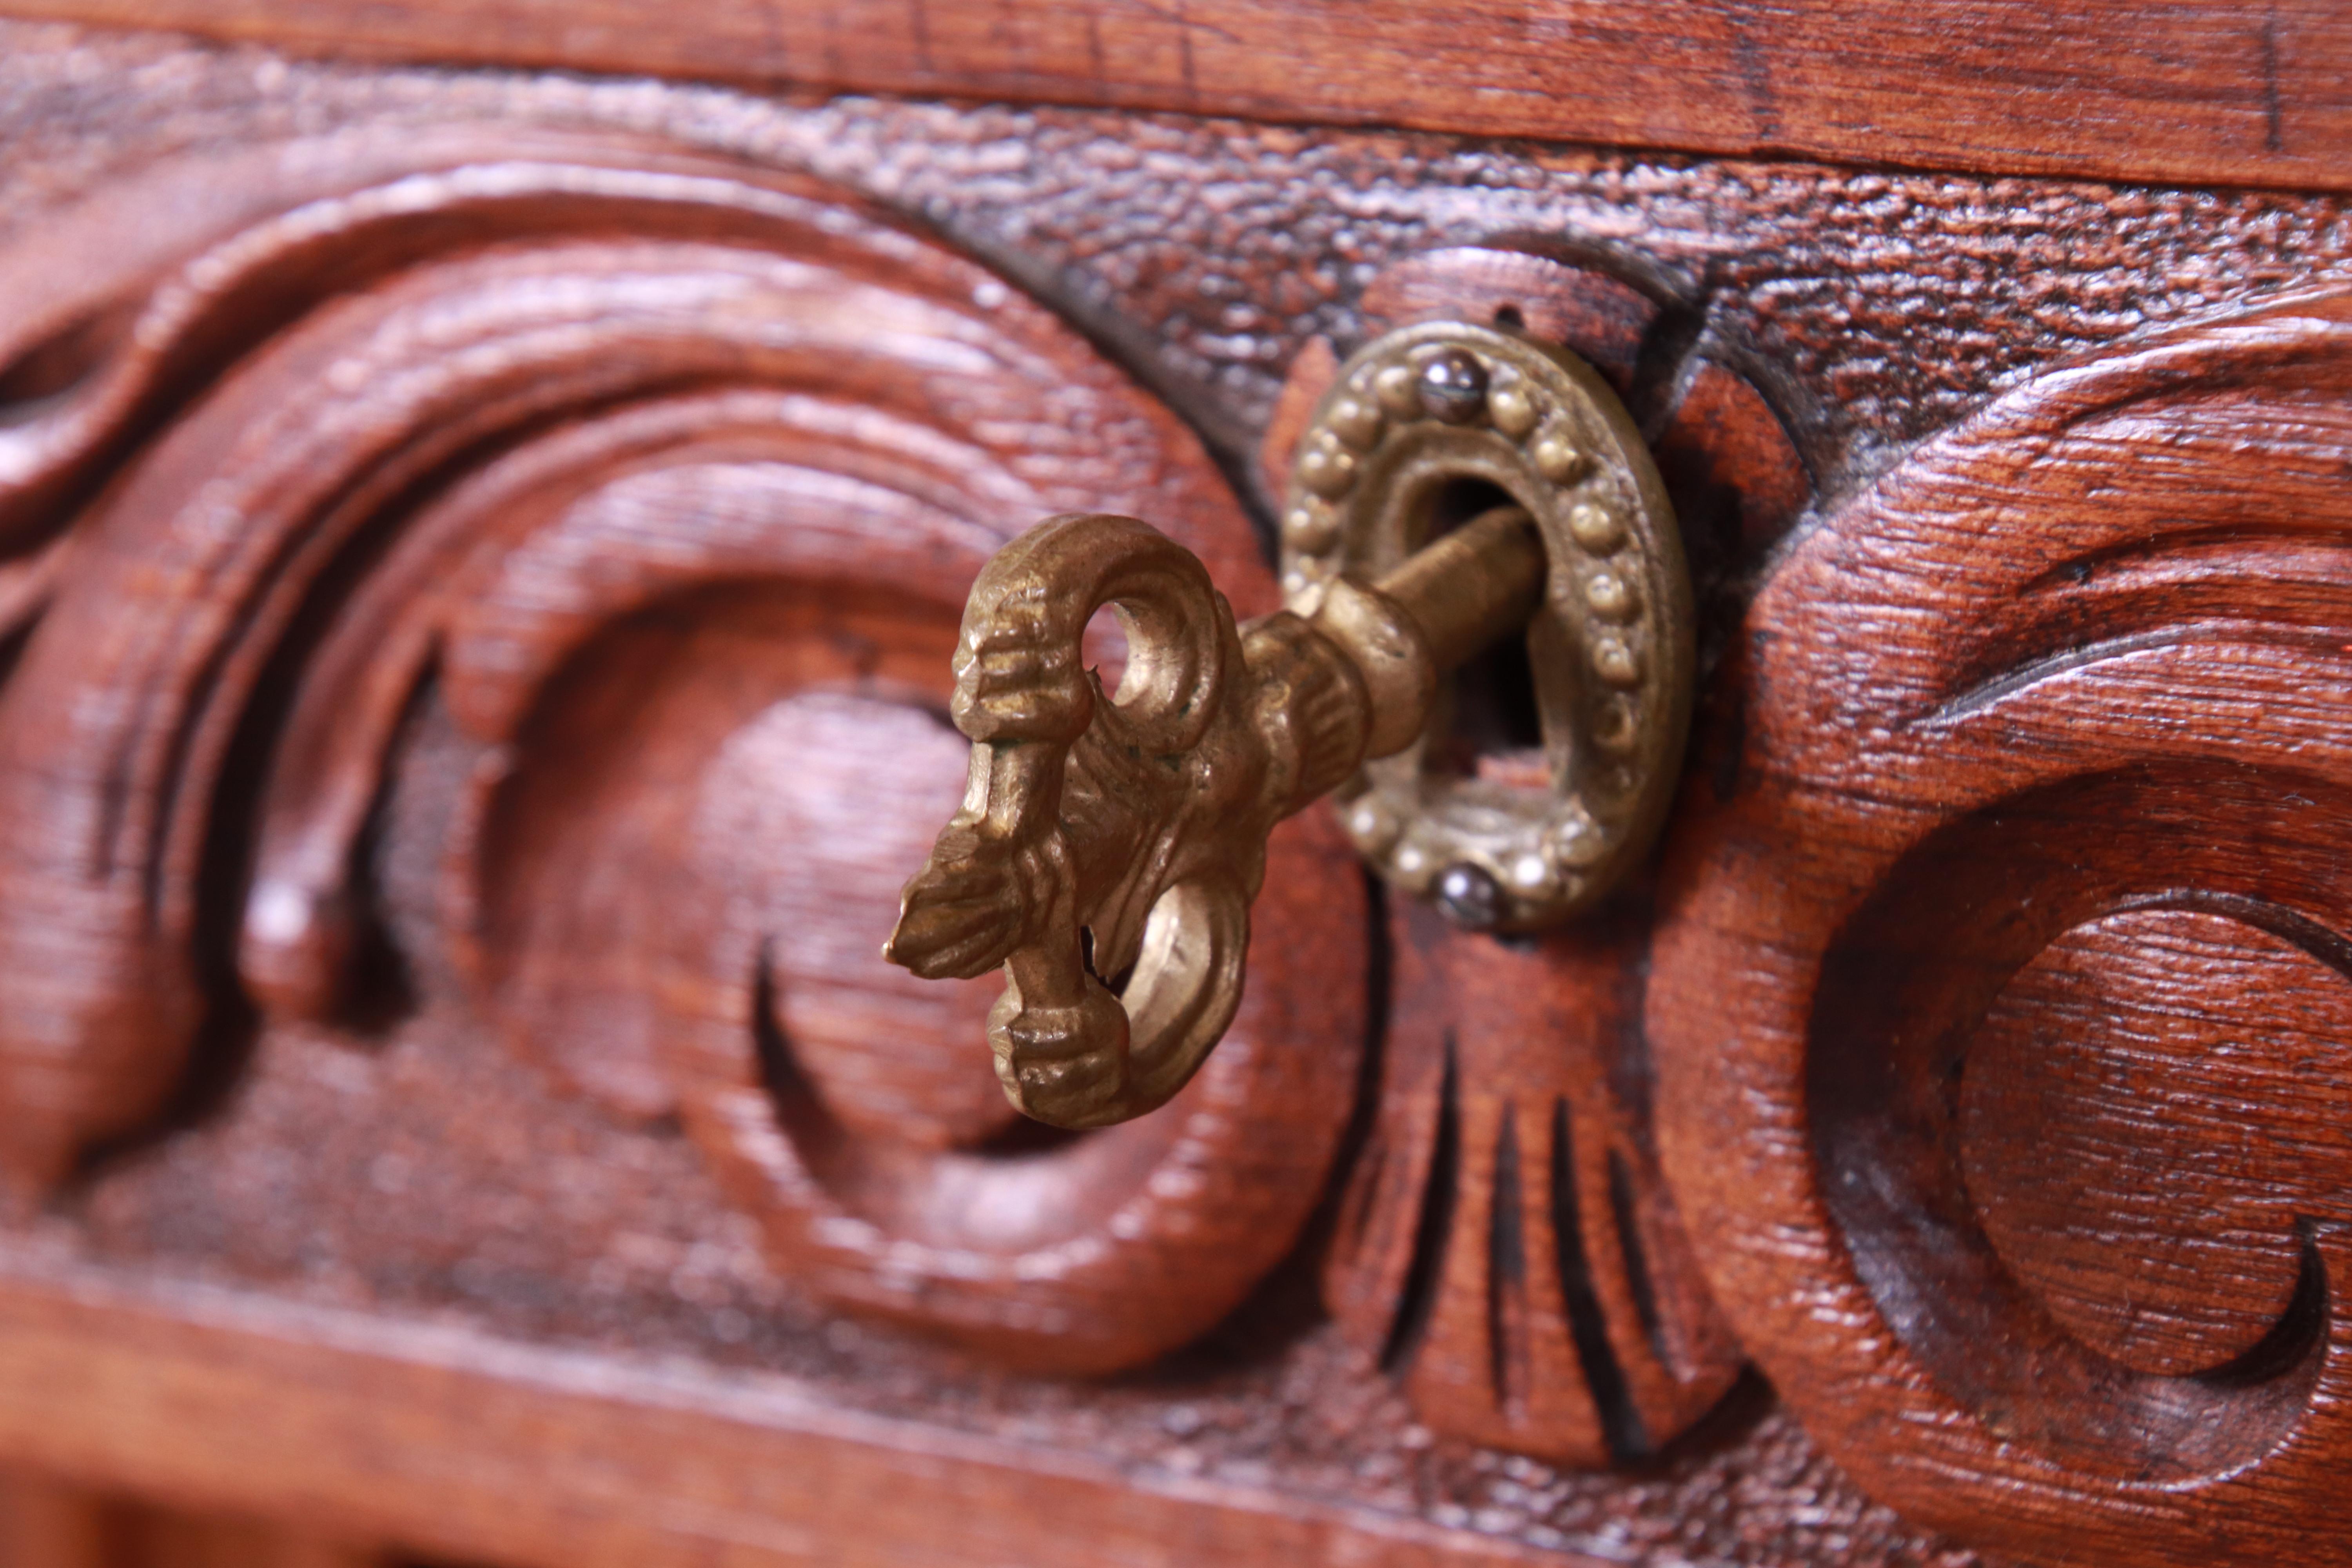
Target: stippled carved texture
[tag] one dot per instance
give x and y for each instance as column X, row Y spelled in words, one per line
column 1882, row 305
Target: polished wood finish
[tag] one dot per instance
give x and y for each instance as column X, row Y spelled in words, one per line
column 2001, row 998
column 480, row 560
column 2199, row 90
column 651, row 554
column 446, row 1441
column 1509, row 1250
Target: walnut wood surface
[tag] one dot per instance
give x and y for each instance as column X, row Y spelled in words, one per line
column 241, row 265
column 2196, row 90
column 448, row 1441
column 1878, row 306
column 615, row 580
column 2165, row 1056
column 2000, row 1000
column 1509, row 1250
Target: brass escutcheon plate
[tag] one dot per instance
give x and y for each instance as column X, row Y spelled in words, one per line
column 1416, row 420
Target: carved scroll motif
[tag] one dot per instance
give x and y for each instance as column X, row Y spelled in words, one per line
column 546, row 610
column 2004, row 983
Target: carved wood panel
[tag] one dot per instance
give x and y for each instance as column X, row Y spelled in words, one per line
column 600, row 542
column 2002, row 996
column 476, row 728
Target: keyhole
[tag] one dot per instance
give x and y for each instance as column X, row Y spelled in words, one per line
column 1492, row 713
column 1494, row 701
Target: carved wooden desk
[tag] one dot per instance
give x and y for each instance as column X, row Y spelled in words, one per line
column 482, row 535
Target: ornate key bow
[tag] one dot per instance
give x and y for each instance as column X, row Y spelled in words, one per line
column 1108, row 837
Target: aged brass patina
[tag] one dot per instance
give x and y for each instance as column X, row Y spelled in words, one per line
column 1514, row 843
column 1119, row 837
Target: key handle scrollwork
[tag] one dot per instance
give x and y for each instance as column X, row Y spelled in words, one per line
column 1101, row 832
column 1121, row 836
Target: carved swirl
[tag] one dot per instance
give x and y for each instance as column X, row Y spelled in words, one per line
column 547, row 623
column 2012, row 943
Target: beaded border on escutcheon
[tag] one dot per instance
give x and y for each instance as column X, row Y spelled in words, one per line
column 1429, row 407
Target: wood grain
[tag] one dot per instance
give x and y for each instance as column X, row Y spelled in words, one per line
column 1878, row 306
column 2001, row 993
column 2201, row 91
column 453, row 1442
column 2165, row 1057
column 615, row 579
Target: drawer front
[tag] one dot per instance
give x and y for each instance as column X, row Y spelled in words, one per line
column 480, row 561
